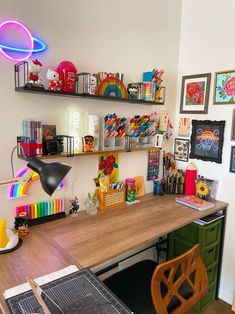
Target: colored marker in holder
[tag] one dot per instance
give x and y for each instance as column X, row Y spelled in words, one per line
column 43, row 211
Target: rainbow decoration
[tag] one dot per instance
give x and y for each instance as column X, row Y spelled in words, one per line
column 42, row 209
column 112, row 87
column 19, row 190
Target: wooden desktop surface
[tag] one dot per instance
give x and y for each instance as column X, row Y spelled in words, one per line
column 88, row 241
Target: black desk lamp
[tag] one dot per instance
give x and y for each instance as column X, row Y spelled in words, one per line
column 50, row 174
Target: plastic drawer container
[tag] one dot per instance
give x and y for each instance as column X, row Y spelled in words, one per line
column 205, row 235
column 212, row 272
column 205, row 302
column 177, row 247
column 210, row 255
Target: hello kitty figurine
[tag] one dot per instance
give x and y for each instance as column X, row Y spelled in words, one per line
column 53, row 77
column 34, row 68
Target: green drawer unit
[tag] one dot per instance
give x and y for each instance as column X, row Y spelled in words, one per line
column 209, row 254
column 208, row 236
column 205, row 302
column 205, row 235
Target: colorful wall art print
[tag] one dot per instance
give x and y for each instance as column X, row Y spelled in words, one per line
column 207, row 140
column 181, row 149
column 232, row 159
column 195, row 93
column 224, row 92
column 108, row 166
column 184, row 127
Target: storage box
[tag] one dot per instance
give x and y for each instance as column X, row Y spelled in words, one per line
column 112, row 198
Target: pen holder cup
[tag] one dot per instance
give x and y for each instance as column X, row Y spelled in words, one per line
column 111, row 199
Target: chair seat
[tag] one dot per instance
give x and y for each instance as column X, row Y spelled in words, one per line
column 132, row 286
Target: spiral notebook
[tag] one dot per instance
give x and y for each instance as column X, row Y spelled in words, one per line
column 194, row 202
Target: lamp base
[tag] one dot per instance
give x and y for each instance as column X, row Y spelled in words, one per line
column 14, row 248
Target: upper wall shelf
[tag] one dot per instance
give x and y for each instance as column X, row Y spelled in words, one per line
column 54, row 93
column 64, row 155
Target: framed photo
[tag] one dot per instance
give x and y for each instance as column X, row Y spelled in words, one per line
column 195, row 91
column 233, row 127
column 232, row 160
column 181, row 149
column 207, row 140
column 224, row 92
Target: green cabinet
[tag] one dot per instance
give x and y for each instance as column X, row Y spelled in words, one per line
column 208, row 236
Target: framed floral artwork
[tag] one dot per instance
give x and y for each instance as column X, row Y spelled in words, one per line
column 232, row 160
column 181, row 149
column 207, row 140
column 195, row 91
column 224, row 92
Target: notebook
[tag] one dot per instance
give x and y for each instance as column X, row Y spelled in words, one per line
column 194, row 202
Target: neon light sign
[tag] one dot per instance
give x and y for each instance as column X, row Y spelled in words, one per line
column 17, row 53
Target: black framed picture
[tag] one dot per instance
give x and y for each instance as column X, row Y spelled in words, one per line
column 181, row 149
column 232, row 159
column 207, row 140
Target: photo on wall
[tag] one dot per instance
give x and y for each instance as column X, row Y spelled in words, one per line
column 224, row 92
column 181, row 149
column 207, row 140
column 195, row 91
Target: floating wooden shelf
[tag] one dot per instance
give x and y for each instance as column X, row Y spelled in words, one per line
column 64, row 155
column 54, row 93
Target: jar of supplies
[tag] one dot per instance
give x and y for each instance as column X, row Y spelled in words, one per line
column 130, row 190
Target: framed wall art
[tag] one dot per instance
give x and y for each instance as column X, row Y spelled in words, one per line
column 184, row 127
column 207, row 140
column 224, row 92
column 195, row 91
column 233, row 127
column 181, row 149
column 232, row 160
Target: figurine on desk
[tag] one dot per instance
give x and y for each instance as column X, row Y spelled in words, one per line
column 34, row 68
column 21, row 224
column 73, row 211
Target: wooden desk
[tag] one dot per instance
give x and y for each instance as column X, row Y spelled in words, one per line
column 92, row 240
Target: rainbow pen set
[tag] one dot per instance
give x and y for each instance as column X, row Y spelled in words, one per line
column 43, row 211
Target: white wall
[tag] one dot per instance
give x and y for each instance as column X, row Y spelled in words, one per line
column 207, row 45
column 123, row 36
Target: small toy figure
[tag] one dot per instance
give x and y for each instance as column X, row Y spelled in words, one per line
column 34, row 68
column 73, row 211
column 21, row 224
column 55, row 83
column 88, row 143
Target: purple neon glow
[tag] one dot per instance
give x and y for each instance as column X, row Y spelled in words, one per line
column 5, row 26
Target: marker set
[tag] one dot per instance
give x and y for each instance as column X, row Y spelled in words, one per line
column 41, row 209
column 114, row 126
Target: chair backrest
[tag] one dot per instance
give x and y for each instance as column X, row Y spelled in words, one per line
column 179, row 284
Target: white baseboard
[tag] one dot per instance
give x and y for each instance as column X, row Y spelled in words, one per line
column 225, row 297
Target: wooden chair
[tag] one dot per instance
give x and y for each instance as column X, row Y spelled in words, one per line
column 173, row 287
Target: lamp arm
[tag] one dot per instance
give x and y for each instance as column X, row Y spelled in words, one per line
column 18, row 180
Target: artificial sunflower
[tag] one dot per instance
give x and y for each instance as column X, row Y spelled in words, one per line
column 202, row 189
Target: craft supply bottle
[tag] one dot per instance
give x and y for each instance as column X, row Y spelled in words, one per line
column 130, row 190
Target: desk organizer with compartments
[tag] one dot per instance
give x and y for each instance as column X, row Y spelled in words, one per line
column 112, row 198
